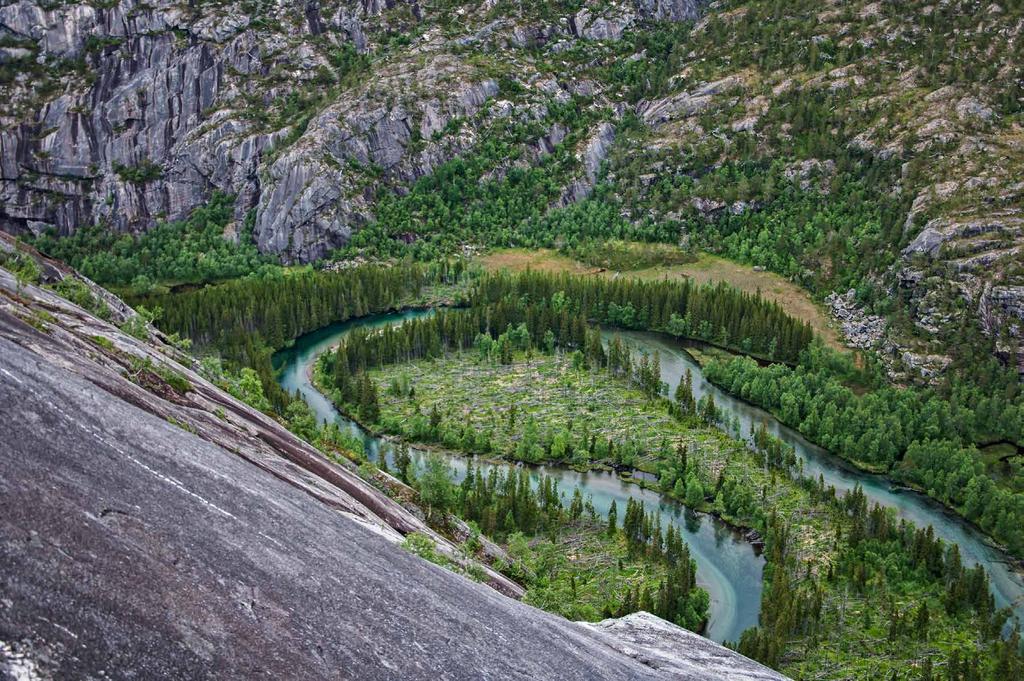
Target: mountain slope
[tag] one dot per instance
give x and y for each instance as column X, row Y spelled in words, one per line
column 153, row 525
column 869, row 147
column 128, row 113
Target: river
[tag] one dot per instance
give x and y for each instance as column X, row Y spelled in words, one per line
column 727, row 566
column 1007, row 582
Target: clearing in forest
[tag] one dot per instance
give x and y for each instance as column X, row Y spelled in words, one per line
column 707, row 268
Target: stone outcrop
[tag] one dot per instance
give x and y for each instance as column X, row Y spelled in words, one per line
column 684, row 104
column 860, row 330
column 971, row 258
column 593, row 154
column 163, row 529
column 307, row 204
column 157, row 105
column 657, row 644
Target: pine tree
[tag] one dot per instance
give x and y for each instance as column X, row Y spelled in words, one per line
column 369, row 407
column 576, row 508
column 403, row 464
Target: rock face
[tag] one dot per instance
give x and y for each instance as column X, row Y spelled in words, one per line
column 684, row 104
column 307, row 206
column 860, row 330
column 970, row 258
column 657, row 644
column 592, row 156
column 151, row 530
column 609, row 23
column 129, row 113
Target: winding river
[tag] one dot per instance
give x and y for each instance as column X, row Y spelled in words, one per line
column 727, row 566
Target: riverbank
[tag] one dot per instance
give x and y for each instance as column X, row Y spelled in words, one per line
column 828, row 567
column 728, row 567
column 898, row 477
column 976, row 548
column 705, row 269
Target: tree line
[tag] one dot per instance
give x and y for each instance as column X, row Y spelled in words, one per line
column 923, row 436
column 247, row 319
column 556, row 310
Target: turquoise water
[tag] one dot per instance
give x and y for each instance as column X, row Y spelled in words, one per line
column 728, row 567
column 1006, row 579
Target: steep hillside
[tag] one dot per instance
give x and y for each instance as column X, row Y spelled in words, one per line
column 127, row 113
column 865, row 150
column 864, row 146
column 152, row 525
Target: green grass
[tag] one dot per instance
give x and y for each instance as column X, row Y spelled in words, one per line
column 465, row 394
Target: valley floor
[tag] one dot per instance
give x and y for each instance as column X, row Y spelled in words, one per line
column 850, row 594
column 706, row 269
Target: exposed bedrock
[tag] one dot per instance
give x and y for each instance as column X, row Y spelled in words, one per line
column 167, row 530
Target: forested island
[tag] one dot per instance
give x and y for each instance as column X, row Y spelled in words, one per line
column 544, row 392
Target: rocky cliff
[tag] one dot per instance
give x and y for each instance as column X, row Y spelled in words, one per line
column 127, row 113
column 152, row 526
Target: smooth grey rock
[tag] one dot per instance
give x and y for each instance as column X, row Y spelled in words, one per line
column 658, row 644
column 939, row 231
column 148, row 533
column 671, row 10
column 611, row 27
column 684, row 104
column 597, row 149
column 593, row 154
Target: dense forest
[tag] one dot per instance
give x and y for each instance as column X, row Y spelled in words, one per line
column 557, row 309
column 925, row 437
column 193, row 251
column 826, row 553
column 246, row 319
column 875, row 554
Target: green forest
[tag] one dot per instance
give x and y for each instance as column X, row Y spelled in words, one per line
column 848, row 410
column 831, row 554
column 192, row 251
column 924, row 437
